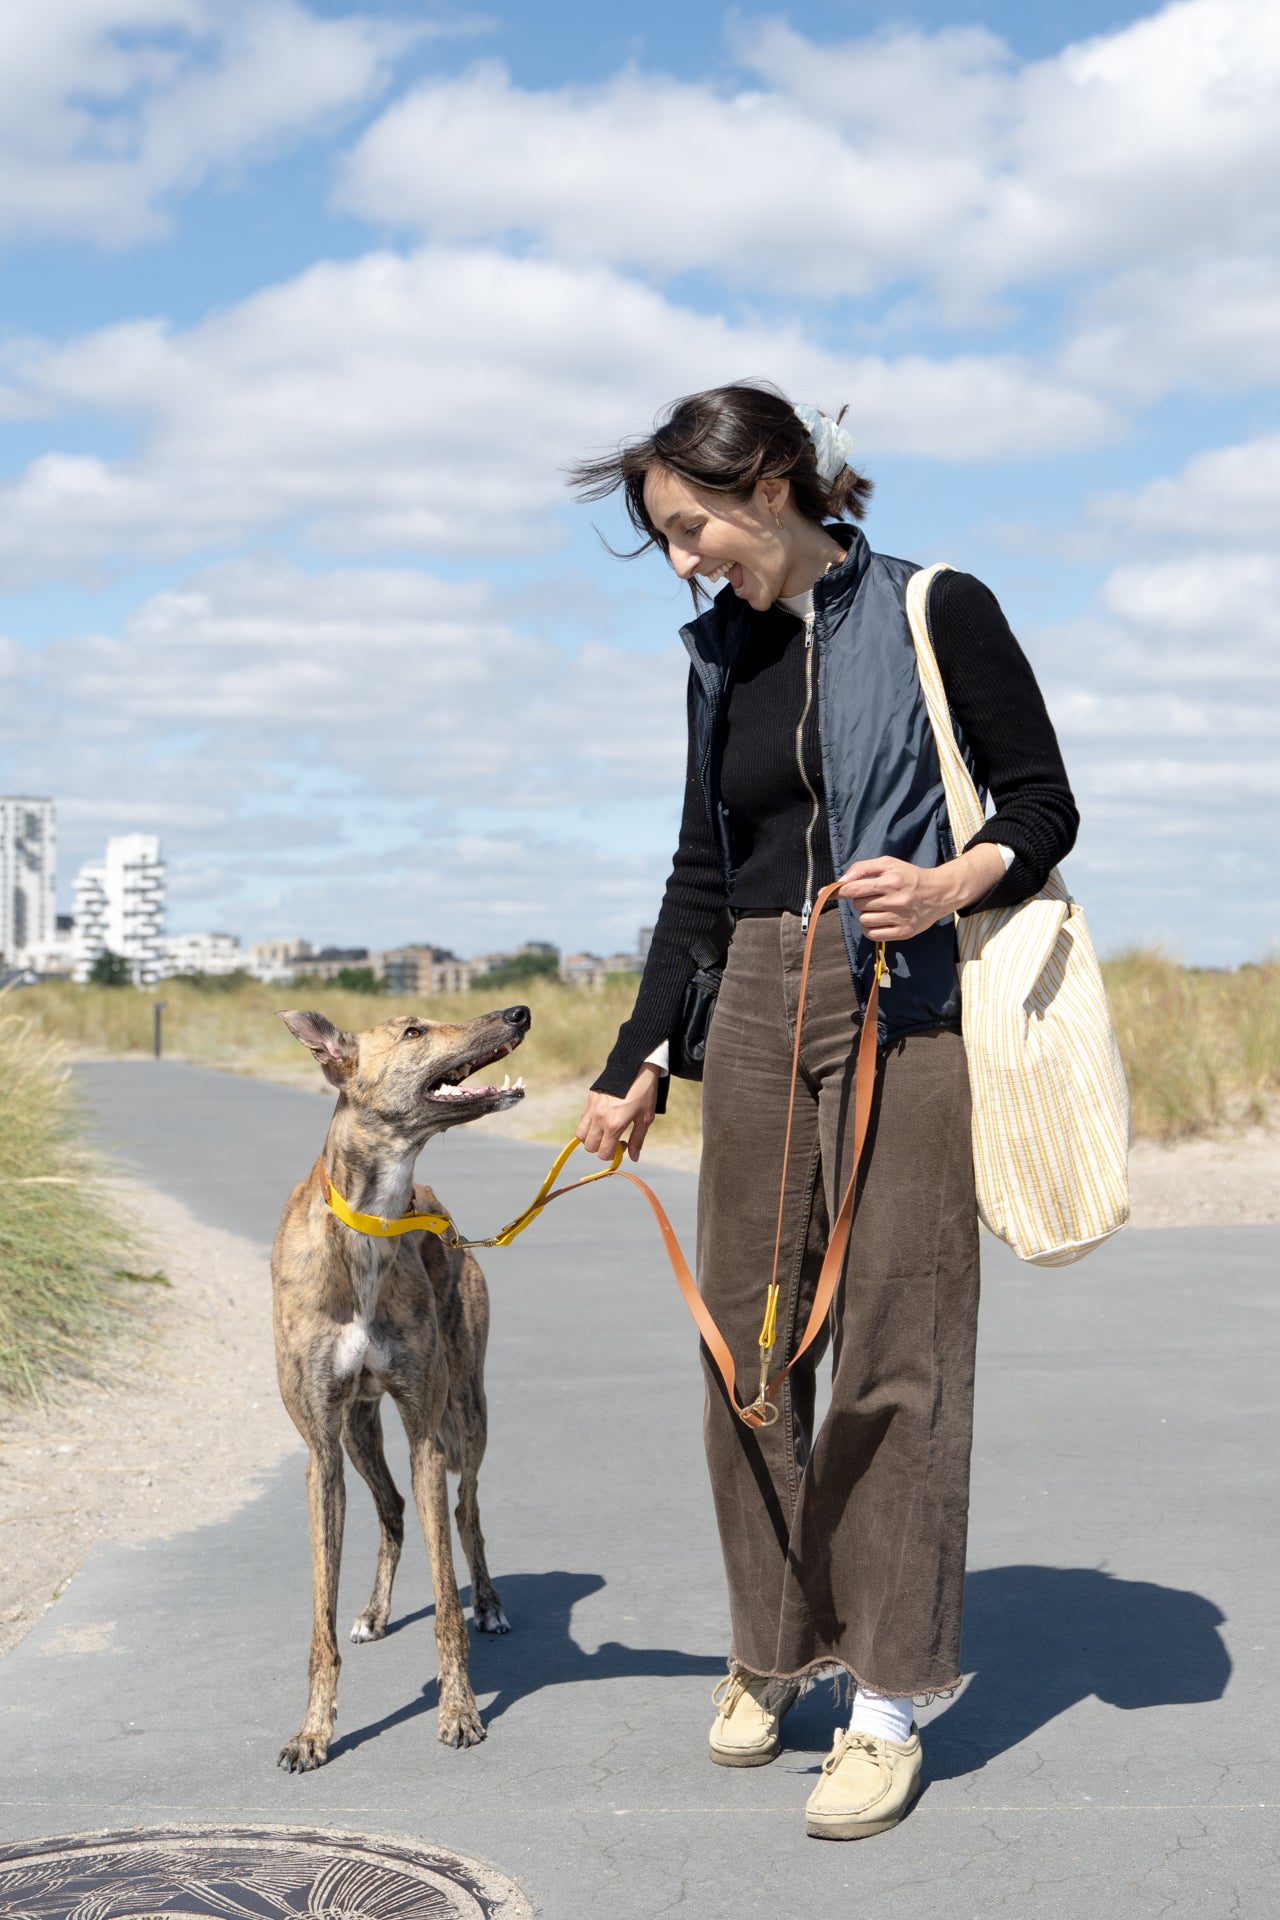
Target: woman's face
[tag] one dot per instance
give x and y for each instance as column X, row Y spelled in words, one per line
column 719, row 538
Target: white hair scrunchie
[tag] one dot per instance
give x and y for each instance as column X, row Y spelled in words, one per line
column 832, row 446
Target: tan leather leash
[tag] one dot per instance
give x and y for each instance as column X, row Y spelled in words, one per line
column 762, row 1411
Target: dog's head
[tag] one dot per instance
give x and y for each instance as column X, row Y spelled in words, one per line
column 409, row 1072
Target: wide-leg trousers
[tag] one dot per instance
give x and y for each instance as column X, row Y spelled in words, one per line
column 844, row 1547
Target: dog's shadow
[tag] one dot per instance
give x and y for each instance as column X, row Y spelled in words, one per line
column 539, row 1652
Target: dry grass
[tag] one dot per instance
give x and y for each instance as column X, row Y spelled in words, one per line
column 236, row 1028
column 64, row 1286
column 1201, row 1050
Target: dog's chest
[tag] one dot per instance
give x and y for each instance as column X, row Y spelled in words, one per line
column 362, row 1345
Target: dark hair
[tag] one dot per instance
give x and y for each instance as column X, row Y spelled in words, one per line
column 725, row 440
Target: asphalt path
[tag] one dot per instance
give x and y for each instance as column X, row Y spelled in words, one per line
column 1114, row 1751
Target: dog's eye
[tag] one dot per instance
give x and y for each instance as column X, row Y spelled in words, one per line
column 414, row 1033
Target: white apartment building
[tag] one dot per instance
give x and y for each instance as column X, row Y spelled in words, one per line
column 28, row 876
column 202, row 953
column 120, row 905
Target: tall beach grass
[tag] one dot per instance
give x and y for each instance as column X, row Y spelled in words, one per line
column 64, row 1253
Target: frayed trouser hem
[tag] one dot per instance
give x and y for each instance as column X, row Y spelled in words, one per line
column 786, row 1688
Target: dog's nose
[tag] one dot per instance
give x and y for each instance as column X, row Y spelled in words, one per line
column 517, row 1017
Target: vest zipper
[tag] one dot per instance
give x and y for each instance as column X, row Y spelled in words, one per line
column 807, row 909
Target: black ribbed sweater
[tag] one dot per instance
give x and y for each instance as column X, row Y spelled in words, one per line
column 993, row 694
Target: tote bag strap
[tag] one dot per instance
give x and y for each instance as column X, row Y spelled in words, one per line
column 964, row 808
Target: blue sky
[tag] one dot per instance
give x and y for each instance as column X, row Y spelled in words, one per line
column 307, row 306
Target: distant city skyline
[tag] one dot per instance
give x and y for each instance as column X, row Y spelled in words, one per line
column 120, row 903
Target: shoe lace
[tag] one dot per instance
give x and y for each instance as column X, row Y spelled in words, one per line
column 727, row 1692
column 845, row 1742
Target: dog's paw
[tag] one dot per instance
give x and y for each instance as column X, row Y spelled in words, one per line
column 489, row 1617
column 460, row 1725
column 368, row 1626
column 304, row 1753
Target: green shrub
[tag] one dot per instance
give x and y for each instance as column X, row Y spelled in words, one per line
column 522, row 966
column 111, row 970
column 358, row 980
column 211, row 982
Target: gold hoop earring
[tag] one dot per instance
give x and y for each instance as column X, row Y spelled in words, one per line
column 777, row 520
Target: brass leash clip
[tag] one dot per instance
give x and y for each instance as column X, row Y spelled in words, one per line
column 762, row 1412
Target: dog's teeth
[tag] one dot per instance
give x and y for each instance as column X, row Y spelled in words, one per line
column 520, row 1082
column 506, row 1081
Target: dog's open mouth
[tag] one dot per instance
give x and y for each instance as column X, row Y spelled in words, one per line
column 449, row 1090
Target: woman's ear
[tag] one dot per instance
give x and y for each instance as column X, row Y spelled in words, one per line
column 773, row 495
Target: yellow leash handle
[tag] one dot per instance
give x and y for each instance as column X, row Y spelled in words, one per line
column 544, row 1196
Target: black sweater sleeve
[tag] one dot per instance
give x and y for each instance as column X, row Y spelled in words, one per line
column 993, row 694
column 693, row 905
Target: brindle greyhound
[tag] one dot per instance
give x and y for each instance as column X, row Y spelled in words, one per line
column 357, row 1317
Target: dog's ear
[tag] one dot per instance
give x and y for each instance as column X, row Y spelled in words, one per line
column 334, row 1049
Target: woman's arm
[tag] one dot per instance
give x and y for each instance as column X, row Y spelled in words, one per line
column 993, row 693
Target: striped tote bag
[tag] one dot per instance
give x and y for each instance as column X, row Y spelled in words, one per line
column 1050, row 1103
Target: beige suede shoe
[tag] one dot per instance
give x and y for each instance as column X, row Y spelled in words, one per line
column 746, row 1732
column 867, row 1785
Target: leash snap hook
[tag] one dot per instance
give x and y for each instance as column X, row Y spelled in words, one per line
column 761, row 1412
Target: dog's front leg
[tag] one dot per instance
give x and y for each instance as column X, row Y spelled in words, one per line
column 327, row 1506
column 460, row 1724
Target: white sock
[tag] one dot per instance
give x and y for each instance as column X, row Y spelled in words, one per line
column 887, row 1717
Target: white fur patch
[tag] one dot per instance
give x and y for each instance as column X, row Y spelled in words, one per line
column 351, row 1349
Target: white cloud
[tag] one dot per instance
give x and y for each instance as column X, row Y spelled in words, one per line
column 1227, row 495
column 109, row 106
column 384, row 754
column 406, row 684
column 430, row 403
column 1167, row 704
column 925, row 159
column 1210, row 325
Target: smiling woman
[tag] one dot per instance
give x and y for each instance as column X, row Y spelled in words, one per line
column 812, row 766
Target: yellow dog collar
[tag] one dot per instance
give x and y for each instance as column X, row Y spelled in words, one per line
column 375, row 1225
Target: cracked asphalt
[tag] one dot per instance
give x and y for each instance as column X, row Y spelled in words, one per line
column 1113, row 1752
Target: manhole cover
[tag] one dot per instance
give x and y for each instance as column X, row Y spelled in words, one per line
column 246, row 1873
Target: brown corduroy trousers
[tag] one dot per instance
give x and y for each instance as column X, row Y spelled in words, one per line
column 846, row 1547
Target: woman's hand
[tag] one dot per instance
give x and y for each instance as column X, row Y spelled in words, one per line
column 895, row 900
column 605, row 1118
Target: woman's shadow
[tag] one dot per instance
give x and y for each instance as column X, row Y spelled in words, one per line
column 540, row 1652
column 1039, row 1639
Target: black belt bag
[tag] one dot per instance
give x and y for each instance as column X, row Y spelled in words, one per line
column 688, row 1042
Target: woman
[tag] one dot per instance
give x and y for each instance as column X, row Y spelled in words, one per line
column 811, row 758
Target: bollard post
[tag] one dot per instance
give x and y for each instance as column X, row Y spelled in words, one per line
column 157, row 1010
